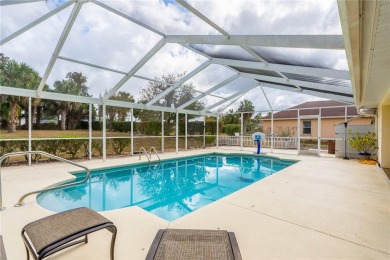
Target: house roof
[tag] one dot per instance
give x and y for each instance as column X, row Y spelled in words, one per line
column 332, row 111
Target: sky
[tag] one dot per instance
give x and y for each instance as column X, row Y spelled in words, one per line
column 100, row 37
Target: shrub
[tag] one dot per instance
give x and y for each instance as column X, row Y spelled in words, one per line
column 85, row 149
column 287, row 131
column 230, row 129
column 50, row 146
column 119, row 144
column 149, row 128
column 196, row 127
column 96, row 125
column 46, row 126
column 12, row 146
column 210, row 140
column 363, row 144
column 72, row 146
column 121, row 126
column 211, row 126
column 97, row 145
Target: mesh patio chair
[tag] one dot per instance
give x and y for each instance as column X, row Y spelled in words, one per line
column 3, row 256
column 186, row 244
column 51, row 234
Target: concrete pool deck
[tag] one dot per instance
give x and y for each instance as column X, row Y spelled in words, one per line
column 320, row 207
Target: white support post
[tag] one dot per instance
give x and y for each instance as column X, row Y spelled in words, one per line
column 345, row 114
column 132, row 131
column 319, row 132
column 104, row 133
column 162, row 131
column 272, row 120
column 186, row 129
column 29, row 130
column 90, row 132
column 204, row 132
column 177, row 132
column 242, row 130
column 272, row 131
column 217, row 133
column 298, row 133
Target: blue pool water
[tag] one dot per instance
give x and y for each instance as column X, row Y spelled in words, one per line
column 169, row 190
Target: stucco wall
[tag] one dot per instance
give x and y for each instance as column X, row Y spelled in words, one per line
column 384, row 132
column 327, row 125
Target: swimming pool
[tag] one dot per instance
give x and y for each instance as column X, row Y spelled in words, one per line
column 170, row 189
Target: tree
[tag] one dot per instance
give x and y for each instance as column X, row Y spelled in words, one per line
column 80, row 80
column 175, row 98
column 248, row 107
column 70, row 112
column 66, row 87
column 77, row 111
column 231, row 118
column 119, row 113
column 19, row 75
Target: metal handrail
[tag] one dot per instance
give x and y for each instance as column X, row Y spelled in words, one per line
column 145, row 152
column 20, row 202
column 155, row 151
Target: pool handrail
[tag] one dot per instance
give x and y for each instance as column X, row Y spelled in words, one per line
column 155, row 151
column 20, row 202
column 145, row 152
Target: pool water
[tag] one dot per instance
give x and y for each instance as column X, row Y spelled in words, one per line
column 170, row 189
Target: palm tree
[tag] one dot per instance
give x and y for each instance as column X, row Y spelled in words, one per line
column 19, row 75
column 231, row 118
column 246, row 106
column 118, row 113
column 66, row 87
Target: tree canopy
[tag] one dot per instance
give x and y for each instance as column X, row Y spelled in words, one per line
column 19, row 75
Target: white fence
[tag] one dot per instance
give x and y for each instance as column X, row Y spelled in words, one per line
column 279, row 142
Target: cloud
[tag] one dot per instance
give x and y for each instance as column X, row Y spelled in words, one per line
column 102, row 38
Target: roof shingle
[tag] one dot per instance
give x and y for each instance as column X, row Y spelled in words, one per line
column 325, row 112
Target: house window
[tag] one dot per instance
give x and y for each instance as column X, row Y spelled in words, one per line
column 307, row 127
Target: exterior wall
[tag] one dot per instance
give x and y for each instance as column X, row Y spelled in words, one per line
column 340, row 141
column 384, row 132
column 279, row 123
column 327, row 125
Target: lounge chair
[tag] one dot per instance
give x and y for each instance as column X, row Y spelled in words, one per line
column 49, row 235
column 184, row 244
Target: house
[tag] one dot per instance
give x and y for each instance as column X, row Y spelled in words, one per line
column 332, row 113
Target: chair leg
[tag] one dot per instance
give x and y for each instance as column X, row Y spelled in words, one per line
column 28, row 252
column 86, row 239
column 113, row 230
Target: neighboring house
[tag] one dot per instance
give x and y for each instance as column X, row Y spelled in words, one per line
column 285, row 122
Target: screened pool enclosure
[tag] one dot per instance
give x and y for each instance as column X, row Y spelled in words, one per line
column 222, row 59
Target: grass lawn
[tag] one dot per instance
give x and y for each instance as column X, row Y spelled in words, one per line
column 56, row 134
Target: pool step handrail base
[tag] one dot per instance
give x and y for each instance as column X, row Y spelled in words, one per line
column 142, row 149
column 20, row 202
column 155, row 151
